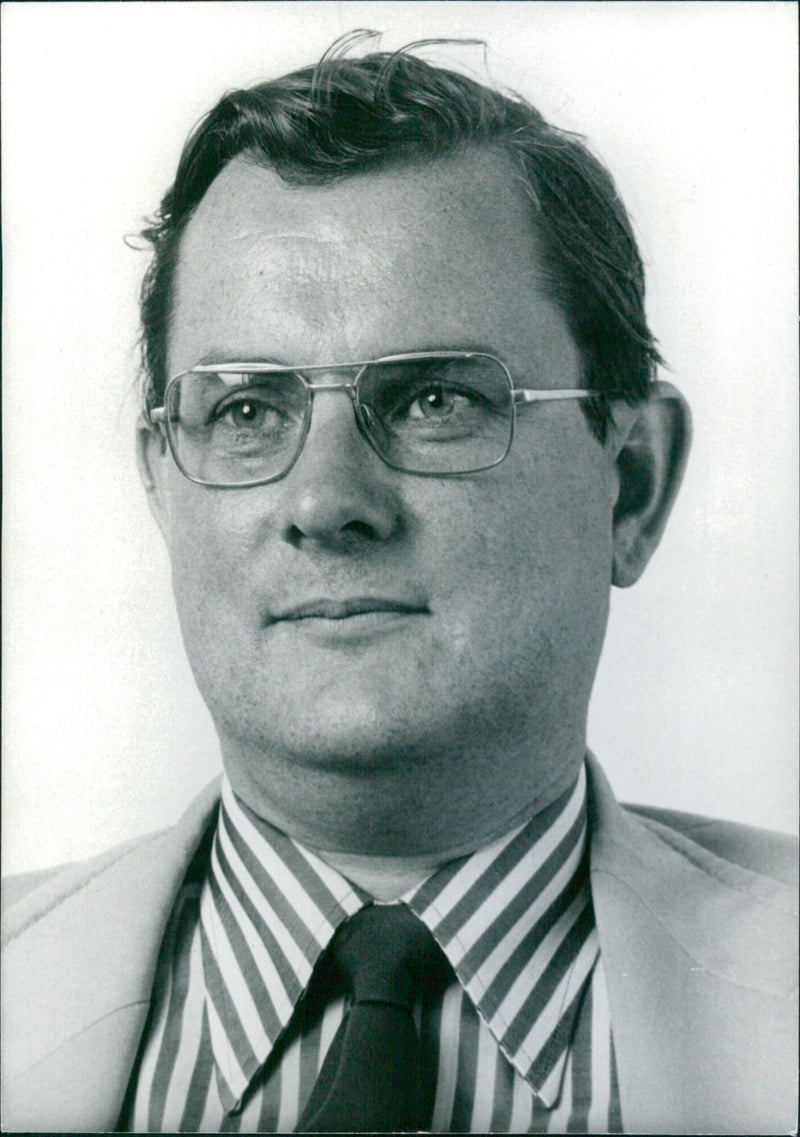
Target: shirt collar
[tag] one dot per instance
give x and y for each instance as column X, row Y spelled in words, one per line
column 514, row 919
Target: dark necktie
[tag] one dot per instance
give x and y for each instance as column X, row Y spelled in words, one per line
column 370, row 1079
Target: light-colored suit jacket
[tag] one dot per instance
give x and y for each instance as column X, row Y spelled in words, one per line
column 697, row 928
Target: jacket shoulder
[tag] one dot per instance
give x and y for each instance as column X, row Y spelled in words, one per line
column 54, row 883
column 28, row 896
column 761, row 851
column 17, row 887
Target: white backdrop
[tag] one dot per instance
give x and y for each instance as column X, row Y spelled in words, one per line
column 693, row 108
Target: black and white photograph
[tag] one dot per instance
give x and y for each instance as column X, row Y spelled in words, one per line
column 400, row 566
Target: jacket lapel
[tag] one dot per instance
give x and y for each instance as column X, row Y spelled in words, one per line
column 699, row 959
column 72, row 1023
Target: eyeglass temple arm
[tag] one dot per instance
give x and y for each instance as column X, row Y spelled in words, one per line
column 529, row 395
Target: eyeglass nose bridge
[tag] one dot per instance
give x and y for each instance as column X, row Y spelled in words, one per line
column 313, row 386
column 326, row 383
column 363, row 414
column 318, row 386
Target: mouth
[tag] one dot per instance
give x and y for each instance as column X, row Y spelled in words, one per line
column 327, row 609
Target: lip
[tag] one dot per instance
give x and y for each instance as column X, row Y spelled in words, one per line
column 325, row 608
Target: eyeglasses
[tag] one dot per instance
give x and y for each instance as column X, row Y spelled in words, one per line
column 435, row 414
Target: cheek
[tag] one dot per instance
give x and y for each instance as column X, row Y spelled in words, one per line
column 528, row 553
column 209, row 553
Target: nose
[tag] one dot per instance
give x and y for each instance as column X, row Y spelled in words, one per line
column 338, row 491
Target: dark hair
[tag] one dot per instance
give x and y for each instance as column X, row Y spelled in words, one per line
column 348, row 115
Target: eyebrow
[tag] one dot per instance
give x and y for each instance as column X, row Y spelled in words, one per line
column 219, row 357
column 214, row 357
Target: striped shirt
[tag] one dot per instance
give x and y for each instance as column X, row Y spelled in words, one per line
column 516, row 1038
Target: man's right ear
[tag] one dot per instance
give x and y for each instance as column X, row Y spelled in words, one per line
column 152, row 458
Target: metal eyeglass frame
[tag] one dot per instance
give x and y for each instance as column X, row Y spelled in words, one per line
column 519, row 396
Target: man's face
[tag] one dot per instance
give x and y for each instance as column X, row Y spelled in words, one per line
column 485, row 680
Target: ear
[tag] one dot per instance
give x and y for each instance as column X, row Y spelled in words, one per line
column 152, row 458
column 652, row 448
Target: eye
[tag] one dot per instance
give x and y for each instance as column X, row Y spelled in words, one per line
column 252, row 411
column 438, row 401
column 245, row 412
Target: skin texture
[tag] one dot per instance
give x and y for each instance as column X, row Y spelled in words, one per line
column 420, row 735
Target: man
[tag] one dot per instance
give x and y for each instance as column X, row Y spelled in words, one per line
column 401, row 433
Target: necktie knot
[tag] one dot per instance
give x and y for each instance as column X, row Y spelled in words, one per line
column 385, row 953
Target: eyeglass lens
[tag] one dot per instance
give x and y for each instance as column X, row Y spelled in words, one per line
column 434, row 416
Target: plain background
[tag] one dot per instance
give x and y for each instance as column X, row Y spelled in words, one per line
column 692, row 106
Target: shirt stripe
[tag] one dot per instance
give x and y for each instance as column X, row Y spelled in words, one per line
column 517, row 1038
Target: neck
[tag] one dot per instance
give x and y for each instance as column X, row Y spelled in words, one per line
column 384, row 878
column 386, row 826
column 390, row 877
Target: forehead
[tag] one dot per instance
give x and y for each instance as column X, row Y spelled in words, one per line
column 418, row 257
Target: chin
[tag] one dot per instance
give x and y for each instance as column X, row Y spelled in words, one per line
column 352, row 740
column 348, row 731
column 354, row 710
